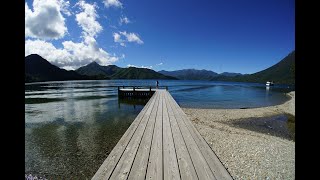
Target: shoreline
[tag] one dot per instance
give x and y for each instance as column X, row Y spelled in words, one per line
column 245, row 142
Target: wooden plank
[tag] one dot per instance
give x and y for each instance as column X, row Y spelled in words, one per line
column 202, row 168
column 111, row 161
column 139, row 167
column 187, row 170
column 123, row 167
column 162, row 143
column 170, row 164
column 155, row 170
column 220, row 172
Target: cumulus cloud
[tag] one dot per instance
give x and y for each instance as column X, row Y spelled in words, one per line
column 117, row 39
column 87, row 19
column 64, row 6
column 129, row 37
column 72, row 55
column 114, row 3
column 124, row 20
column 159, row 64
column 132, row 37
column 146, row 67
column 46, row 20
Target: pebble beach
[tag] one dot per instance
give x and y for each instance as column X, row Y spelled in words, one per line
column 251, row 143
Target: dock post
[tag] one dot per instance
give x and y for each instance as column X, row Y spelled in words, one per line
column 167, row 88
column 150, row 91
column 119, row 93
column 134, row 91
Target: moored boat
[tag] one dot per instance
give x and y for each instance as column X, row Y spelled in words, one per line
column 269, row 83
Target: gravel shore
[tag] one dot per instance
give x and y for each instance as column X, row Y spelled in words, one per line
column 251, row 143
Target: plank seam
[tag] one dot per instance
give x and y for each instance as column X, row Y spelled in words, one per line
column 152, row 138
column 155, row 105
column 196, row 145
column 184, row 117
column 186, row 145
column 162, row 144
column 173, row 138
column 128, row 143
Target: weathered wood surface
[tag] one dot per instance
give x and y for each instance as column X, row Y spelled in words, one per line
column 162, row 143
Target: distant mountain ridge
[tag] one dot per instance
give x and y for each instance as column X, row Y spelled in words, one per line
column 39, row 69
column 139, row 73
column 281, row 73
column 93, row 69
column 194, row 74
column 230, row 74
column 115, row 72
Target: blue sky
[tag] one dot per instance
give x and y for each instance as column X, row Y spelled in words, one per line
column 243, row 36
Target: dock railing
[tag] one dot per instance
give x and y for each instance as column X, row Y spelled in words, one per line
column 138, row 91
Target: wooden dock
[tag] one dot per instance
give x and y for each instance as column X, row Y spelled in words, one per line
column 137, row 92
column 162, row 143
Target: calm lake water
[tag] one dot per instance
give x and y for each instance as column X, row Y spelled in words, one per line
column 71, row 126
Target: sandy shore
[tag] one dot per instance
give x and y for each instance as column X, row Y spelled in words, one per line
column 249, row 151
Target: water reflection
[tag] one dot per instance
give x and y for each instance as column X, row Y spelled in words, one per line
column 132, row 101
column 77, row 140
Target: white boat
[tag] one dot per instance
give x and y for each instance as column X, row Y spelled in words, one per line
column 269, row 83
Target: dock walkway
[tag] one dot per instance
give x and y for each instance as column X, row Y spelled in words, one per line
column 161, row 143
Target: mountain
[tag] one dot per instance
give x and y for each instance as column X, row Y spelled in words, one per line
column 190, row 74
column 138, row 73
column 228, row 74
column 39, row 69
column 280, row 73
column 95, row 70
column 115, row 72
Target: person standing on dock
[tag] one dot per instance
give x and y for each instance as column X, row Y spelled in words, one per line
column 157, row 84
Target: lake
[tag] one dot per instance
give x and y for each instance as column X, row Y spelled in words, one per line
column 71, row 126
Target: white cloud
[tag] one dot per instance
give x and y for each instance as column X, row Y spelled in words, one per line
column 114, row 3
column 87, row 19
column 131, row 65
column 147, row 67
column 72, row 55
column 117, row 39
column 64, row 5
column 159, row 64
column 132, row 37
column 124, row 20
column 46, row 20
